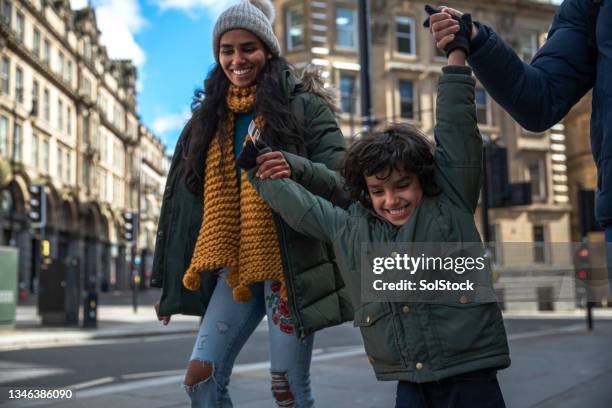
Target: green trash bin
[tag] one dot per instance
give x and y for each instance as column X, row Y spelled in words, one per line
column 8, row 286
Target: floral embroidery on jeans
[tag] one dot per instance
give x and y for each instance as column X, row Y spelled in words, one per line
column 280, row 311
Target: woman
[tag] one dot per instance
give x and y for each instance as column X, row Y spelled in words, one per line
column 221, row 252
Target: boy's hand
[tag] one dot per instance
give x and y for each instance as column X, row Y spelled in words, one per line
column 273, row 165
column 446, row 24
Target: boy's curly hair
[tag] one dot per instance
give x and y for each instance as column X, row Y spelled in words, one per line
column 397, row 147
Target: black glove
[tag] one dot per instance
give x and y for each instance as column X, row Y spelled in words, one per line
column 462, row 37
column 249, row 153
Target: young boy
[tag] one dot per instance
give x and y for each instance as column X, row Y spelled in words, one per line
column 443, row 355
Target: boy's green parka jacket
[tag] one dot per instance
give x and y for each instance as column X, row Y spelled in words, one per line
column 415, row 342
column 317, row 296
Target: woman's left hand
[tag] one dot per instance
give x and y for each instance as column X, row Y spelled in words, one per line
column 273, row 165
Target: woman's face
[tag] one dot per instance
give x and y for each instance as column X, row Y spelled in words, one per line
column 242, row 56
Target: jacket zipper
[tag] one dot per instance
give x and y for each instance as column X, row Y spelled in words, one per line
column 288, row 279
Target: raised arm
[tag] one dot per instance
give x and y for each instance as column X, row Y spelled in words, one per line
column 458, row 154
column 538, row 95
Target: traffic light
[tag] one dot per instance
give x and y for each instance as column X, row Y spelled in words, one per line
column 38, row 206
column 500, row 192
column 582, row 262
column 129, row 226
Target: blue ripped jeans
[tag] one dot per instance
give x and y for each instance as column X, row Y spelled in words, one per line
column 226, row 327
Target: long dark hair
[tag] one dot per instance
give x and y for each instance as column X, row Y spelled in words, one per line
column 396, row 147
column 209, row 111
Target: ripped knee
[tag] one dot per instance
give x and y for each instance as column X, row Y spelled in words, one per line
column 282, row 390
column 198, row 371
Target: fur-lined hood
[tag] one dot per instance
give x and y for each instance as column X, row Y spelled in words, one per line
column 309, row 79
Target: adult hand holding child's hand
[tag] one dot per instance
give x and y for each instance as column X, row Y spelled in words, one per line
column 451, row 28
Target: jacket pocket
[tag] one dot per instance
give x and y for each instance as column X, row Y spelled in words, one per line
column 469, row 330
column 375, row 321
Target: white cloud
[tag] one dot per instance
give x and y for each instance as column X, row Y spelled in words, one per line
column 194, row 7
column 170, row 122
column 119, row 21
column 78, row 4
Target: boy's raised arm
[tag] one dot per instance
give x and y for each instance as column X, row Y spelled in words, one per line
column 303, row 211
column 458, row 153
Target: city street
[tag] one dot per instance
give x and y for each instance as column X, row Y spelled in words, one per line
column 555, row 363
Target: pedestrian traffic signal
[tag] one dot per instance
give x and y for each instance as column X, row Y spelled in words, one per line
column 129, row 226
column 38, row 206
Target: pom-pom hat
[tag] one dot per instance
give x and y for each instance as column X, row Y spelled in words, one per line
column 255, row 16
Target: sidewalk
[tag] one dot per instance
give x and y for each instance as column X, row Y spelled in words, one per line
column 558, row 368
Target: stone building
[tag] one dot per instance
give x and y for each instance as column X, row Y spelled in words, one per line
column 405, row 71
column 69, row 121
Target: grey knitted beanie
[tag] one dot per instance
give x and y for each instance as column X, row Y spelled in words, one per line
column 255, row 16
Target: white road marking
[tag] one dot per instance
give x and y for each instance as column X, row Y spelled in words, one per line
column 93, row 383
column 177, row 379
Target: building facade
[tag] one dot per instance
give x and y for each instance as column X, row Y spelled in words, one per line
column 405, row 70
column 68, row 121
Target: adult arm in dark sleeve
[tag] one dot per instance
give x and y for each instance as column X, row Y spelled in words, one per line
column 326, row 147
column 538, row 95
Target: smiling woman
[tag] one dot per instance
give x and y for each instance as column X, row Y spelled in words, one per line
column 221, row 252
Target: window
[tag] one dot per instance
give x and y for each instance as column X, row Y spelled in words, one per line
column 69, row 121
column 7, row 12
column 295, row 27
column 35, row 142
column 44, row 160
column 35, row 95
column 36, row 42
column 60, row 114
column 345, row 28
column 348, row 93
column 528, row 44
column 46, row 52
column 86, row 88
column 540, row 251
column 46, row 102
column 86, row 135
column 59, row 158
column 17, row 142
column 535, row 167
column 68, row 73
column 406, row 91
column 19, row 85
column 481, row 106
column 3, row 135
column 87, row 48
column 68, row 168
column 19, row 26
column 60, row 63
column 6, row 75
column 404, row 28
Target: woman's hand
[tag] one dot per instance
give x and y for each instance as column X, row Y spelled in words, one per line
column 443, row 27
column 164, row 319
column 273, row 165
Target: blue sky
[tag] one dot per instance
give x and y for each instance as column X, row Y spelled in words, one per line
column 170, row 42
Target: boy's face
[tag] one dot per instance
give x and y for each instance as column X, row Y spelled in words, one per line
column 394, row 198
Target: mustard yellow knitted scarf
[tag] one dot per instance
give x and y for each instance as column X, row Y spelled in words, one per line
column 237, row 229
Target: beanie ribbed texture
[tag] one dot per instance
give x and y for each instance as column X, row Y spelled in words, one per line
column 255, row 16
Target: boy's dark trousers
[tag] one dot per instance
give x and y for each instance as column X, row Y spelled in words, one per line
column 477, row 389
